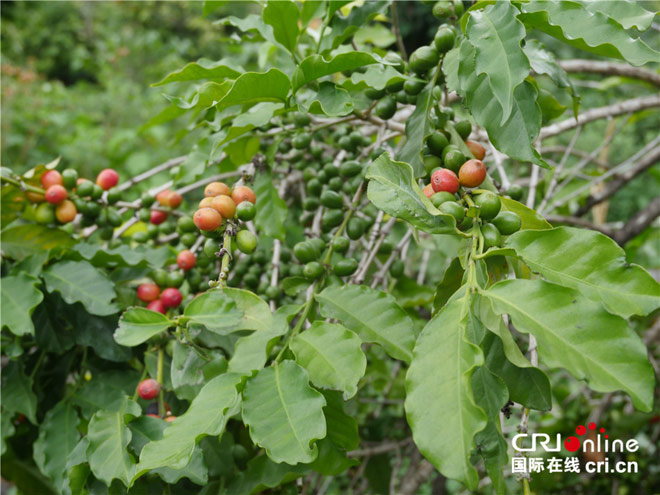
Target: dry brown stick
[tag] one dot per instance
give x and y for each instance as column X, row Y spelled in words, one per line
column 610, row 69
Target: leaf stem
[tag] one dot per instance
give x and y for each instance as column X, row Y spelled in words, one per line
column 22, row 185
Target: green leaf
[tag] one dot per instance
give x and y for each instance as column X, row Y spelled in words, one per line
column 330, row 100
column 189, row 371
column 439, row 404
column 202, row 69
column 376, row 77
column 251, row 352
column 58, row 436
column 514, row 136
column 137, row 325
column 531, row 220
column 579, row 335
column 393, row 189
column 79, row 281
column 451, row 282
column 376, row 34
column 312, row 9
column 627, row 13
column 342, row 28
column 271, row 209
column 7, row 430
column 418, row 126
column 593, row 264
column 549, row 105
column 372, row 314
column 217, row 312
column 284, row 414
column 254, row 87
column 206, row 96
column 207, row 415
column 489, row 391
column 256, row 116
column 316, row 66
column 493, row 449
column 332, row 356
column 23, row 240
column 108, row 438
column 76, row 469
column 19, row 297
column 342, row 428
column 106, row 391
column 17, row 394
column 138, row 256
column 262, row 473
column 496, row 34
column 283, row 16
column 527, row 385
column 592, row 31
column 97, row 332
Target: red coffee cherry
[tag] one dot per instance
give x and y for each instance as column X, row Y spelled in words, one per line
column 444, row 180
column 148, row 292
column 186, row 259
column 157, row 217
column 472, row 173
column 157, row 306
column 217, row 189
column 243, row 193
column 107, row 179
column 51, row 178
column 207, row 219
column 171, row 297
column 163, row 197
column 148, row 389
column 55, row 194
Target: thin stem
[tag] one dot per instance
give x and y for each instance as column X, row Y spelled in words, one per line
column 397, row 32
column 159, row 379
column 38, row 364
column 23, row 186
column 226, row 256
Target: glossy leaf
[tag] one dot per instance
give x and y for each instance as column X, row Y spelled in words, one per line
column 526, row 384
column 213, row 309
column 439, row 405
column 496, row 35
column 628, row 13
column 342, row 28
column 577, row 334
column 393, row 189
column 23, row 240
column 108, row 438
column 207, row 415
column 374, row 315
column 76, row 468
column 202, row 69
column 20, row 297
column 332, row 356
column 316, row 66
column 418, row 127
column 137, row 325
column 58, row 436
column 79, row 281
column 329, row 100
column 451, row 281
column 530, row 219
column 543, row 61
column 284, row 414
column 489, row 392
column 189, row 371
column 139, row 256
column 493, row 449
column 592, row 31
column 600, row 272
column 375, row 76
column 271, row 208
column 283, row 16
column 17, row 393
column 254, row 87
column 514, row 136
column 262, row 473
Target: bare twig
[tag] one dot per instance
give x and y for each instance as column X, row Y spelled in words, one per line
column 558, row 170
column 578, row 222
column 397, row 31
column 620, row 108
column 638, row 223
column 171, row 163
column 610, row 69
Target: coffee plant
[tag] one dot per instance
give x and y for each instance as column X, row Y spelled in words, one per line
column 276, row 315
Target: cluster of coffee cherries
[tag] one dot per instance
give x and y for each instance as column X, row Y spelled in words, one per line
column 148, row 389
column 66, row 195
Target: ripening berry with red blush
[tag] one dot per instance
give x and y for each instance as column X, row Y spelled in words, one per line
column 243, row 193
column 186, row 259
column 472, row 173
column 157, row 306
column 444, row 180
column 171, row 297
column 428, row 191
column 55, row 194
column 148, row 389
column 148, row 292
column 157, row 217
column 207, row 219
column 51, row 178
column 107, row 179
column 174, row 199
